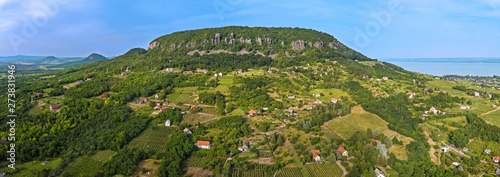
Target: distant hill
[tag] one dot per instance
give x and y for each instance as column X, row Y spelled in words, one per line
column 94, row 57
column 20, row 58
column 50, row 60
column 264, row 41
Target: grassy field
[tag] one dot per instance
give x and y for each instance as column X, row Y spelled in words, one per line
column 479, row 105
column 183, row 95
column 103, row 155
column 477, row 147
column 226, row 80
column 149, row 165
column 153, row 138
column 329, row 94
column 32, row 168
column 88, row 165
column 191, row 118
column 358, row 120
column 58, row 100
column 492, row 118
column 83, row 165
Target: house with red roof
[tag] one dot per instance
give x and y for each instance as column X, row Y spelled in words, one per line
column 411, row 95
column 252, row 113
column 105, row 94
column 496, row 159
column 53, row 107
column 316, row 155
column 203, row 144
column 193, row 106
column 342, row 151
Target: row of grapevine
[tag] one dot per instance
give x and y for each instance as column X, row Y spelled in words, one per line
column 290, row 172
column 324, row 170
column 152, row 138
column 194, row 162
column 264, row 153
column 258, row 172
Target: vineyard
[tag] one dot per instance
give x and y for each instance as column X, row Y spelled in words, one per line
column 83, row 165
column 324, row 169
column 264, row 153
column 153, row 138
column 194, row 162
column 258, row 172
column 290, row 172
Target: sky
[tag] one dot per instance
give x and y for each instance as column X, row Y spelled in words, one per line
column 376, row 28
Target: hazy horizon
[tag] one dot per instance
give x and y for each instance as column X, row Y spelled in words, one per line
column 377, row 29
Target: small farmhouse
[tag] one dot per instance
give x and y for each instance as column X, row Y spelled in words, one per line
column 187, row 131
column 252, row 113
column 342, row 151
column 203, row 144
column 379, row 173
column 53, row 107
column 167, row 123
column 316, row 156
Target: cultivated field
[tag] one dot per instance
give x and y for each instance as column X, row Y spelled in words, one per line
column 153, row 138
column 358, row 120
column 492, row 118
column 290, row 172
column 325, row 169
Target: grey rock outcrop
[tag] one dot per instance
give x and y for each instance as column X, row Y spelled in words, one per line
column 191, row 44
column 153, row 45
column 172, row 46
column 245, row 41
column 298, row 45
column 180, row 44
column 204, row 42
column 318, row 45
column 217, row 39
column 259, row 41
column 268, row 41
column 334, row 45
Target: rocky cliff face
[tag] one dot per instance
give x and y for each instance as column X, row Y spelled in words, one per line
column 230, row 39
column 217, row 39
column 298, row 45
column 266, row 40
column 335, row 45
column 153, row 45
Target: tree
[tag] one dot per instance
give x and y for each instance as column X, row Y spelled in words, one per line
column 388, row 142
column 152, row 104
column 333, row 158
column 339, row 156
column 369, row 133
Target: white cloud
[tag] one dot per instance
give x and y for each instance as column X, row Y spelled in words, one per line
column 492, row 3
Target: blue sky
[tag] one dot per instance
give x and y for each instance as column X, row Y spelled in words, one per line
column 399, row 28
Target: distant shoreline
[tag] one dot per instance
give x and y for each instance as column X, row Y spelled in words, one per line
column 442, row 68
column 444, row 60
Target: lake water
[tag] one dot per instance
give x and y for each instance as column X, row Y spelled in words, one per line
column 447, row 68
